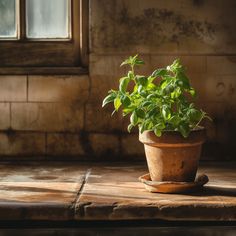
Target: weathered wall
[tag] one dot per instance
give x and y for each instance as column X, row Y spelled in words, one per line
column 61, row 116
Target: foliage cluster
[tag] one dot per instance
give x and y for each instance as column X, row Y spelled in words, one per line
column 162, row 101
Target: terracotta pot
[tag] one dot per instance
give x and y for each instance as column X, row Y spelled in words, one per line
column 172, row 157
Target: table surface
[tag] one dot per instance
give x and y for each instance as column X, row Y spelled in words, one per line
column 67, row 191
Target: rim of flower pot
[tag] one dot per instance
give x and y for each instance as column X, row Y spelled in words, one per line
column 170, row 138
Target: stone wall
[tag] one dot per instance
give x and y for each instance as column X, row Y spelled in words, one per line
column 61, row 116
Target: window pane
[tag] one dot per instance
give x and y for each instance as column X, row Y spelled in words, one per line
column 47, row 18
column 7, row 18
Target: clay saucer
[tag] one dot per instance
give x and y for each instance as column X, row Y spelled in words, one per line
column 173, row 187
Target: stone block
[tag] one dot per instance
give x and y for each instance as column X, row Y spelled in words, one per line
column 22, row 143
column 13, row 88
column 58, row 88
column 5, row 116
column 193, row 64
column 220, row 131
column 100, row 120
column 221, row 65
column 218, row 111
column 109, row 65
column 64, row 144
column 100, row 85
column 220, row 88
column 47, row 116
column 162, row 27
column 131, row 146
column 106, row 146
column 106, row 65
column 214, row 88
column 203, row 84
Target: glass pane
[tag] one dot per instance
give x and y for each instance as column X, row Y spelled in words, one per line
column 7, row 18
column 47, row 18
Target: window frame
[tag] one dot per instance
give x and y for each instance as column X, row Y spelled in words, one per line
column 50, row 56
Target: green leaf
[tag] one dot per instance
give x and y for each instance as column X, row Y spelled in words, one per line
column 194, row 115
column 157, row 132
column 128, row 110
column 175, row 66
column 139, row 62
column 160, row 125
column 176, row 93
column 169, row 88
column 135, row 88
column 182, row 80
column 127, row 61
column 166, row 82
column 131, row 75
column 143, row 93
column 136, row 61
column 146, row 103
column 109, row 98
column 174, row 120
column 193, row 92
column 191, row 105
column 163, row 84
column 166, row 112
column 150, row 96
column 132, row 61
column 123, row 84
column 146, row 125
column 130, row 126
column 160, row 72
column 142, row 127
column 140, row 113
column 134, row 118
column 125, row 100
column 113, row 113
column 151, row 79
column 117, row 103
column 140, row 88
column 184, row 129
column 151, row 86
column 141, row 80
column 152, row 112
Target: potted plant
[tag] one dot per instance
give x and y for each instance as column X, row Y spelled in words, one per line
column 162, row 106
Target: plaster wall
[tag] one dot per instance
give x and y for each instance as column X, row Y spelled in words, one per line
column 48, row 117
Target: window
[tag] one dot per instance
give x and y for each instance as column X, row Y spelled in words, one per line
column 43, row 36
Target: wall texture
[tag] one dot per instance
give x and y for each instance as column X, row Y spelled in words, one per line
column 61, row 117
